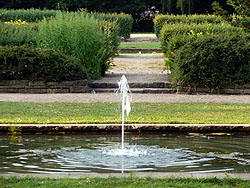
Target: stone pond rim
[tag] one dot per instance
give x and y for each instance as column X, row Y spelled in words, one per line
column 136, row 128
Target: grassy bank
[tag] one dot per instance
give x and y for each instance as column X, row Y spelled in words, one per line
column 122, row 182
column 197, row 113
column 144, row 45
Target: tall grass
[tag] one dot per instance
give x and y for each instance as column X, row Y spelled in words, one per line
column 80, row 36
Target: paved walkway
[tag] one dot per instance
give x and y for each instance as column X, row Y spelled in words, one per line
column 112, row 97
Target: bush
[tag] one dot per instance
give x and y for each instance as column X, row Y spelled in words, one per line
column 29, row 15
column 213, row 61
column 81, row 36
column 124, row 22
column 171, row 30
column 161, row 20
column 35, row 64
column 18, row 33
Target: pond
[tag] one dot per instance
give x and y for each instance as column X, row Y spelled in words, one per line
column 101, row 153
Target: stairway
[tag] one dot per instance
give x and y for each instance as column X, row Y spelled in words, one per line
column 139, row 83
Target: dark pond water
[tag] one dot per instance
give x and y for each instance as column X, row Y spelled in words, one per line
column 101, row 153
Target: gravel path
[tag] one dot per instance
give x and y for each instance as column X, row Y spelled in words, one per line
column 112, row 97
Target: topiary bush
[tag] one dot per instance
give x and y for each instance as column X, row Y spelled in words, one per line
column 36, row 64
column 170, row 19
column 213, row 61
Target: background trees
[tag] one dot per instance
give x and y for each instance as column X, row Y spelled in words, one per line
column 127, row 6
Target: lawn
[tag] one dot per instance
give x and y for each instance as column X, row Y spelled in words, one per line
column 134, row 182
column 144, row 45
column 189, row 113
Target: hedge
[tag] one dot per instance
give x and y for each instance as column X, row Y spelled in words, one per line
column 36, row 64
column 206, row 28
column 29, row 15
column 213, row 61
column 123, row 21
column 161, row 20
column 17, row 33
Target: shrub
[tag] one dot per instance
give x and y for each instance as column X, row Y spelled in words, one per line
column 29, row 15
column 124, row 22
column 171, row 30
column 35, row 64
column 12, row 33
column 213, row 61
column 80, row 36
column 161, row 20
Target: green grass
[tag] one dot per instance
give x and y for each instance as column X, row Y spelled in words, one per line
column 131, row 182
column 145, row 45
column 200, row 113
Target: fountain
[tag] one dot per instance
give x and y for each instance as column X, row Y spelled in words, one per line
column 103, row 153
column 126, row 99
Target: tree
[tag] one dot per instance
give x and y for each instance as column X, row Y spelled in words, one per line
column 186, row 6
column 241, row 16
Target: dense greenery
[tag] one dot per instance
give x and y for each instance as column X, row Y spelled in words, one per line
column 162, row 20
column 197, row 113
column 27, row 63
column 31, row 182
column 242, row 10
column 127, row 6
column 90, row 37
column 83, row 37
column 17, row 33
column 29, row 15
column 213, row 61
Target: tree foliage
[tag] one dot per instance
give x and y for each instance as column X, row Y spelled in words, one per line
column 241, row 16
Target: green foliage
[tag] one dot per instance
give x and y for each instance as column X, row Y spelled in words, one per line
column 82, row 36
column 29, row 15
column 242, row 16
column 206, row 28
column 161, row 20
column 26, row 63
column 124, row 22
column 18, row 34
column 213, row 61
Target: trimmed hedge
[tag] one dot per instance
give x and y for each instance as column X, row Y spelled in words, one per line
column 161, row 20
column 213, row 61
column 17, row 35
column 123, row 21
column 29, row 15
column 35, row 64
column 171, row 30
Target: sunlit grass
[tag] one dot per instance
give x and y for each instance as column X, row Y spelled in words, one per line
column 160, row 113
column 144, row 45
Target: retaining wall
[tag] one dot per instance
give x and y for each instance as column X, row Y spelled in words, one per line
column 25, row 86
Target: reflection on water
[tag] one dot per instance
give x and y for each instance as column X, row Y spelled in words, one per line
column 92, row 153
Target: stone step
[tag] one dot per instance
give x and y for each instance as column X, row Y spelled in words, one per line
column 108, row 85
column 134, row 90
column 140, row 50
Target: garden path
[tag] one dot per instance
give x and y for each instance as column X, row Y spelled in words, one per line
column 146, row 72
